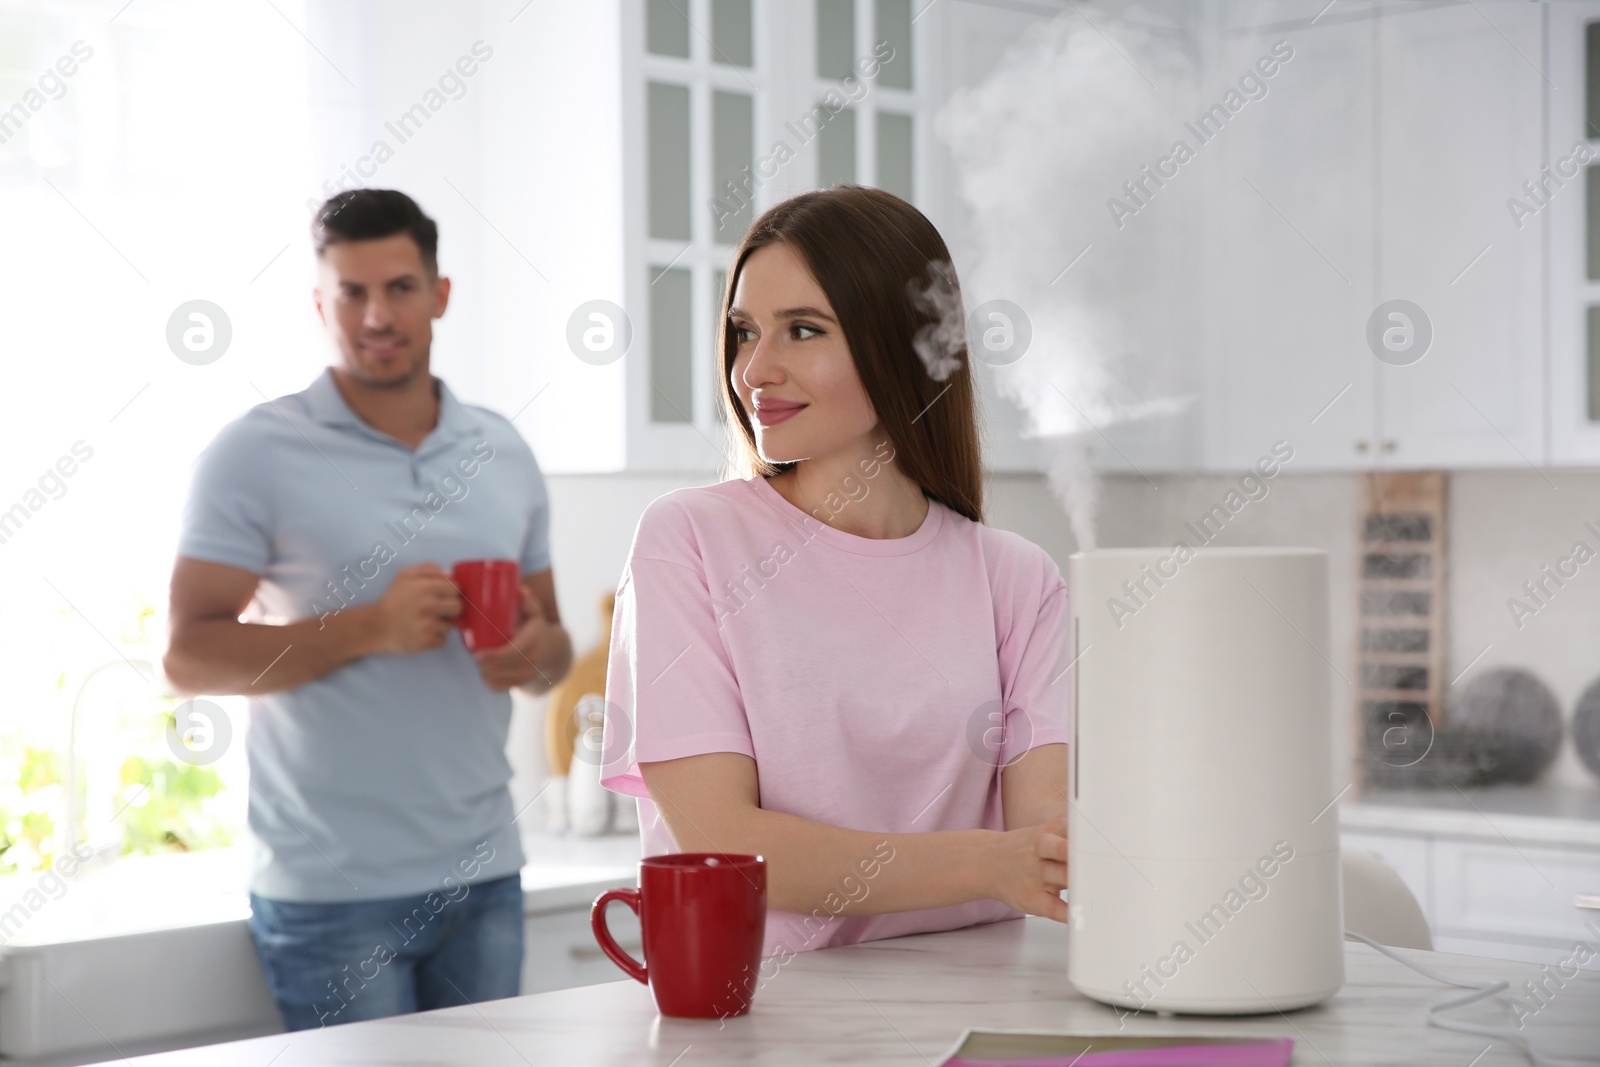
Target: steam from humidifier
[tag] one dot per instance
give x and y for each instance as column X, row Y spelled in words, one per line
column 1065, row 118
column 940, row 341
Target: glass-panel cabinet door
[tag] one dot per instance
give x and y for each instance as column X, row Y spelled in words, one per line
column 836, row 150
column 735, row 104
column 668, row 119
column 701, row 81
column 732, row 37
column 666, row 28
column 671, row 347
column 732, row 157
column 864, row 100
column 894, row 154
column 836, row 39
column 892, row 25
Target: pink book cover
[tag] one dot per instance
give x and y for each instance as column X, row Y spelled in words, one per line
column 998, row 1048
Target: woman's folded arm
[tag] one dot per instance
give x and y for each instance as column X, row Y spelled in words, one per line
column 710, row 803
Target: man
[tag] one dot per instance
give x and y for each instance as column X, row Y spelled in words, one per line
column 387, row 868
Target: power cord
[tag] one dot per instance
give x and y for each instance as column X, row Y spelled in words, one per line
column 1479, row 992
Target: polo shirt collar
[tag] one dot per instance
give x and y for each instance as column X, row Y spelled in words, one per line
column 327, row 405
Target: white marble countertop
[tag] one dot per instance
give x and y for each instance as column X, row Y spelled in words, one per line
column 1544, row 815
column 906, row 1001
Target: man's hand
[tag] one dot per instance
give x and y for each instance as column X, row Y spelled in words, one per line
column 515, row 664
column 415, row 613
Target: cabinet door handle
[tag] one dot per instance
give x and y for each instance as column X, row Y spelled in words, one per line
column 1362, row 446
column 1587, row 900
column 1390, row 445
column 592, row 952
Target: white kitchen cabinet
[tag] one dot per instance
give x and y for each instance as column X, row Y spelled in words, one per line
column 1131, row 307
column 1489, row 888
column 560, row 951
column 1458, row 130
column 148, row 990
column 1515, row 893
column 772, row 100
column 1378, row 168
column 973, row 37
column 1288, row 278
column 211, row 986
column 1574, row 396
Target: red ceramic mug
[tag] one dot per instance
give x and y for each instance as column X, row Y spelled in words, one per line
column 491, row 600
column 704, row 920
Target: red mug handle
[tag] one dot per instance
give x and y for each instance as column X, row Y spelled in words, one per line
column 608, row 944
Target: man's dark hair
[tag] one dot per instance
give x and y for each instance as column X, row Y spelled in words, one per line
column 368, row 214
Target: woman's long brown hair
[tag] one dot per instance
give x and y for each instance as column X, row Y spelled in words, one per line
column 870, row 251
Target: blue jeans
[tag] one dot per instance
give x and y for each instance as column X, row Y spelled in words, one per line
column 345, row 962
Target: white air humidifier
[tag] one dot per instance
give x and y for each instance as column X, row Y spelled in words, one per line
column 1203, row 838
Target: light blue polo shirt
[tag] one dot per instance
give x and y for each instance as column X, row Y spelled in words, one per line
column 388, row 775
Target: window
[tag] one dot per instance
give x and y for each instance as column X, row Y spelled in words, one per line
column 129, row 139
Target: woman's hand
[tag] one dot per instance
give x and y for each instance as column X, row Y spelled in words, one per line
column 1028, row 869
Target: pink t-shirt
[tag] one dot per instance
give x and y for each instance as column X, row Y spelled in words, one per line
column 877, row 683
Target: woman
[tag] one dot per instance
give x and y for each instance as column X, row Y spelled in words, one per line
column 831, row 661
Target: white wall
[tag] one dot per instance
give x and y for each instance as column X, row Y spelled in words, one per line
column 520, row 166
column 381, row 60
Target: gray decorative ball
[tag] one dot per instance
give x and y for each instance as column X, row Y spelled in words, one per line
column 1586, row 729
column 1514, row 721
